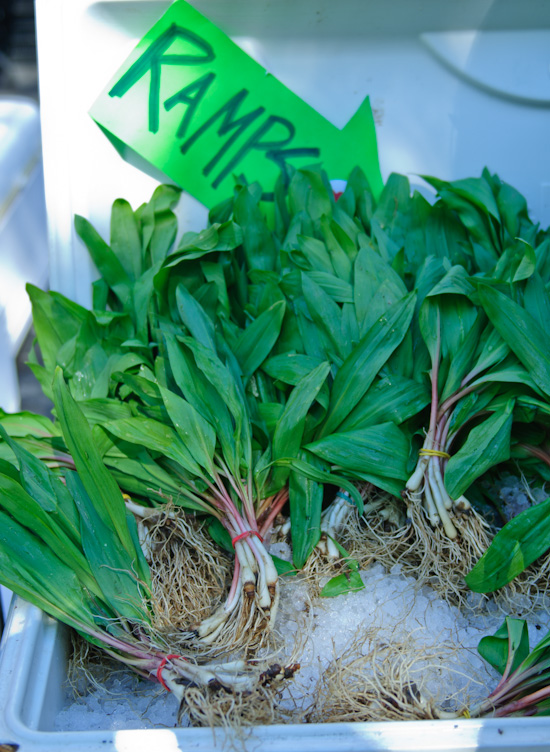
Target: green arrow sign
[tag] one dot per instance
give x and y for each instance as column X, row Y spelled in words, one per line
column 195, row 106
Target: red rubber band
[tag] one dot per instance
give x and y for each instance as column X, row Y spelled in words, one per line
column 246, row 534
column 161, row 666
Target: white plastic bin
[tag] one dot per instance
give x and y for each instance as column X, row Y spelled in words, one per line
column 455, row 86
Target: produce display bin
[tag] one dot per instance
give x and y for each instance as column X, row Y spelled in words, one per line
column 454, row 87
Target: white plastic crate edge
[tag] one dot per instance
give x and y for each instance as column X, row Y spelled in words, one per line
column 33, row 657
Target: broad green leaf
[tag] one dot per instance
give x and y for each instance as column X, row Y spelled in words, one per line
column 125, row 240
column 219, row 535
column 508, row 647
column 456, row 281
column 381, row 449
column 46, row 489
column 270, row 413
column 370, row 273
column 537, row 300
column 118, row 362
column 215, row 273
column 283, row 567
column 458, row 316
column 514, row 548
column 477, row 220
column 308, row 466
column 391, row 485
column 257, row 240
column 395, row 197
column 350, row 325
column 325, row 314
column 487, row 445
column 27, row 424
column 56, row 321
column 384, row 298
column 508, row 372
column 142, row 293
column 221, row 378
column 194, row 318
column 259, row 338
column 492, row 349
column 32, row 570
column 364, row 362
column 29, row 513
column 391, row 399
column 113, row 568
column 347, row 582
column 217, row 238
column 306, row 501
column 528, row 262
column 476, row 190
column 287, row 437
column 200, row 393
column 197, row 434
column 445, row 236
column 340, row 246
column 109, row 265
column 145, row 388
column 96, row 479
column 155, row 436
column 316, row 256
column 290, row 367
column 308, row 192
column 521, row 332
column 339, row 290
column 101, row 410
column 462, row 360
column 512, row 206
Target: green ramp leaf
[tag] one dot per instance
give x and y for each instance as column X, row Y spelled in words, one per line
column 289, row 431
column 96, row 479
column 521, row 332
column 514, row 548
column 508, row 647
column 487, row 445
column 382, row 450
column 258, row 339
column 360, row 368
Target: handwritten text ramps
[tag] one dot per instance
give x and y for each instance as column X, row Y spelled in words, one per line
column 199, row 109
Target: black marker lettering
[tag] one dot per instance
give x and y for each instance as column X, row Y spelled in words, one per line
column 255, row 142
column 153, row 58
column 190, row 95
column 229, row 123
column 282, row 156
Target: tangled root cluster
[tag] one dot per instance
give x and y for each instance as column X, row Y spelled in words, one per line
column 432, row 558
column 190, row 574
column 233, row 711
column 374, row 681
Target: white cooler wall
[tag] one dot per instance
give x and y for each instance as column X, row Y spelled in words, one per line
column 455, row 86
column 23, row 246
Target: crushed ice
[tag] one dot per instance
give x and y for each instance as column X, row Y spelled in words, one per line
column 394, row 605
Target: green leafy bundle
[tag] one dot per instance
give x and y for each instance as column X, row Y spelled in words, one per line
column 249, row 365
column 69, row 546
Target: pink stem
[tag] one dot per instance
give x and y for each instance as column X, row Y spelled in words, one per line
column 524, row 702
column 453, row 399
column 278, row 504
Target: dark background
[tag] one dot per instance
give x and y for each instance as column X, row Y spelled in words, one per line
column 17, row 47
